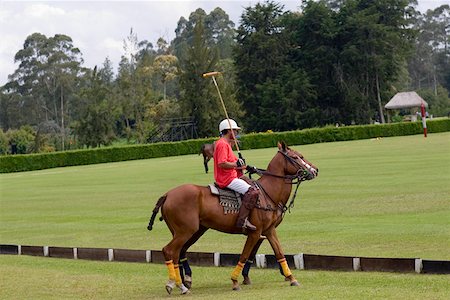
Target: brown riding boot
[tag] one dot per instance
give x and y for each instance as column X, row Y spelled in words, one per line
column 248, row 203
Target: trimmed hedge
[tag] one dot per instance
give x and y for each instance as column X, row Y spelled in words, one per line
column 346, row 133
column 29, row 162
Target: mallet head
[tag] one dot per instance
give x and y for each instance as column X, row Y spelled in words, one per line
column 209, row 74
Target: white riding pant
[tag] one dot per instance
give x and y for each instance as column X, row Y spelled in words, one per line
column 239, row 186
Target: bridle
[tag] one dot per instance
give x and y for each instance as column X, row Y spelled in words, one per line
column 304, row 172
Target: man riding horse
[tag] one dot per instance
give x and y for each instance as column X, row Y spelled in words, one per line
column 228, row 169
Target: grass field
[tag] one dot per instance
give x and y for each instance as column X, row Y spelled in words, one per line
column 47, row 278
column 387, row 197
column 378, row 198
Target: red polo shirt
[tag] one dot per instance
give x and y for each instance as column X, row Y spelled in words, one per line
column 224, row 153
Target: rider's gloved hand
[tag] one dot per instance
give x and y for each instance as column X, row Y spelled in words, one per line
column 240, row 162
column 251, row 169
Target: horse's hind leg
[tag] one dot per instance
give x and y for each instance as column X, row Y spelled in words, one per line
column 249, row 262
column 205, row 163
column 184, row 264
column 171, row 254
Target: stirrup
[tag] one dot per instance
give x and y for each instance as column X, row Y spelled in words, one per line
column 248, row 226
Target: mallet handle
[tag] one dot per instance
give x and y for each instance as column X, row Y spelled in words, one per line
column 212, row 74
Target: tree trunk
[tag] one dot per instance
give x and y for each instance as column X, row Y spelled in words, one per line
column 380, row 106
column 63, row 131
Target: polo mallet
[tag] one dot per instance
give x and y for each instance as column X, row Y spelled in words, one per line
column 212, row 75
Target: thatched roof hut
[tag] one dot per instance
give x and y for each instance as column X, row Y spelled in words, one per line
column 405, row 100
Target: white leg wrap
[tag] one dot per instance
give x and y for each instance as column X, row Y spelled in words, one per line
column 183, row 289
column 170, row 285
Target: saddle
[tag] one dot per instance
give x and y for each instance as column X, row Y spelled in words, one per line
column 229, row 199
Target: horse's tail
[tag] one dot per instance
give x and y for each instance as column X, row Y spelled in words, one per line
column 155, row 211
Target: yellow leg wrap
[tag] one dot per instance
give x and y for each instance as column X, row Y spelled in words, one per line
column 177, row 275
column 284, row 266
column 171, row 269
column 237, row 271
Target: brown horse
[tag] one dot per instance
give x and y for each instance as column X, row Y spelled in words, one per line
column 190, row 210
column 208, row 152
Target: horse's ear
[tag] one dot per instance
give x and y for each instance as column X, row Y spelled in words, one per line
column 282, row 146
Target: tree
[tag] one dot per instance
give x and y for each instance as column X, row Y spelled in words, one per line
column 166, row 67
column 197, row 100
column 316, row 50
column 218, row 32
column 430, row 64
column 94, row 127
column 46, row 79
column 265, row 70
column 135, row 92
column 375, row 42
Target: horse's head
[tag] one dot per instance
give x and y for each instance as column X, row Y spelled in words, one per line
column 297, row 164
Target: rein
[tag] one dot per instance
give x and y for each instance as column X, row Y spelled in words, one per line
column 300, row 176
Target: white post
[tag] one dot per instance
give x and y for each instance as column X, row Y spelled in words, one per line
column 418, row 265
column 356, row 264
column 148, row 256
column 75, row 253
column 260, row 260
column 45, row 250
column 19, row 250
column 217, row 259
column 110, row 254
column 299, row 262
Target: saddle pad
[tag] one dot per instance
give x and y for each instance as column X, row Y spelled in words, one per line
column 229, row 199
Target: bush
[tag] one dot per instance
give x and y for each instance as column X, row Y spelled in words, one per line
column 22, row 139
column 4, row 143
column 17, row 163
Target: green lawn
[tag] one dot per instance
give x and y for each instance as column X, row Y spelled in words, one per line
column 25, row 277
column 378, row 198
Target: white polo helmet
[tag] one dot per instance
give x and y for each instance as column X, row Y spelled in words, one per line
column 225, row 125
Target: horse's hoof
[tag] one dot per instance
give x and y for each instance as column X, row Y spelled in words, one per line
column 246, row 281
column 295, row 283
column 184, row 290
column 236, row 286
column 187, row 281
column 169, row 286
column 169, row 289
column 188, row 284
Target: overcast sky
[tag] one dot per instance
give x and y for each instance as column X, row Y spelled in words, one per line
column 98, row 28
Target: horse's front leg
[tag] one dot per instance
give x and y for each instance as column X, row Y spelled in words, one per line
column 276, row 246
column 250, row 243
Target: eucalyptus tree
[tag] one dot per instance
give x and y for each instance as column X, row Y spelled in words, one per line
column 165, row 66
column 375, row 40
column 218, row 31
column 430, row 64
column 135, row 91
column 94, row 127
column 46, row 79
